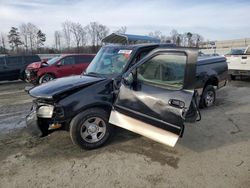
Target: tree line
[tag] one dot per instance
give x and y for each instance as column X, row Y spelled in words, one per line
column 76, row 38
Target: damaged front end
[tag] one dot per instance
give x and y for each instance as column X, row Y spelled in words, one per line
column 53, row 107
column 31, row 76
column 32, row 70
column 44, row 116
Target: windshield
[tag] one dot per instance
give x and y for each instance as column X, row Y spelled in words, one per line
column 53, row 60
column 109, row 60
column 237, row 52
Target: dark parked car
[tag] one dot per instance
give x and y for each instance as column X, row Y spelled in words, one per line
column 57, row 67
column 150, row 89
column 13, row 67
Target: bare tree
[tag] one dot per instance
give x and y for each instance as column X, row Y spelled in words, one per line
column 179, row 40
column 174, row 36
column 156, row 34
column 92, row 32
column 159, row 35
column 57, row 36
column 67, row 33
column 24, row 35
column 197, row 39
column 96, row 32
column 83, row 34
column 102, row 32
column 32, row 31
column 77, row 32
column 3, row 43
column 121, row 30
column 184, row 39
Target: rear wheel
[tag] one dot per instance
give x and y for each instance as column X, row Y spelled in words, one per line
column 90, row 129
column 208, row 97
column 46, row 78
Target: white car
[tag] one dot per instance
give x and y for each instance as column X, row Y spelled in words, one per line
column 238, row 62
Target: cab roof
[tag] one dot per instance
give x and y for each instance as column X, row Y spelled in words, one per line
column 145, row 45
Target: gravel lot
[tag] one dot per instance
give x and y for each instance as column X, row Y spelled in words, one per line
column 214, row 152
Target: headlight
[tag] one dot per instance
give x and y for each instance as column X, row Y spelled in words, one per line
column 45, row 111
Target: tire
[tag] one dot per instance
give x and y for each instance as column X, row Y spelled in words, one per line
column 22, row 76
column 208, row 97
column 233, row 77
column 43, row 126
column 90, row 129
column 46, row 78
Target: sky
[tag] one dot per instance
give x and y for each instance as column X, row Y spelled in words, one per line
column 214, row 20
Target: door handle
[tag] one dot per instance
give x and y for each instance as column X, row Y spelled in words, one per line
column 176, row 103
column 244, row 57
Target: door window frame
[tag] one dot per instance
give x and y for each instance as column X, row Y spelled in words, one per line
column 162, row 85
column 63, row 59
column 191, row 60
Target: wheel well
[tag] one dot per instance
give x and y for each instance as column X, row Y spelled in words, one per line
column 102, row 106
column 212, row 81
column 47, row 73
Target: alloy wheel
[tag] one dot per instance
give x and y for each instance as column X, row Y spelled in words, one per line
column 93, row 129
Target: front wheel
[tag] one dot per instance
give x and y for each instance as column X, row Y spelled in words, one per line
column 46, row 78
column 208, row 97
column 90, row 129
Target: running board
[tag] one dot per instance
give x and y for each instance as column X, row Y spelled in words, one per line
column 144, row 129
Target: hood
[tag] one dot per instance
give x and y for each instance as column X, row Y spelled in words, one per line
column 37, row 65
column 54, row 88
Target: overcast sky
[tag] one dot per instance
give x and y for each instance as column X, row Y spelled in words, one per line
column 215, row 20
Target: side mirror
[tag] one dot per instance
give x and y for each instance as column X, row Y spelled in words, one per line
column 128, row 78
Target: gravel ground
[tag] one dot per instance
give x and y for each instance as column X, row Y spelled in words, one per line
column 214, row 152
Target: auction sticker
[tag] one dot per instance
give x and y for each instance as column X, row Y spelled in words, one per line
column 128, row 52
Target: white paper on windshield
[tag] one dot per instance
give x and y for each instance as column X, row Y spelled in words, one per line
column 125, row 52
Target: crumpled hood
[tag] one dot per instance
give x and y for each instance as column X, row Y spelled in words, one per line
column 57, row 87
column 35, row 65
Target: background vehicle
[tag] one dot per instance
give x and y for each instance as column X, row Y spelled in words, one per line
column 13, row 67
column 57, row 67
column 239, row 62
column 153, row 83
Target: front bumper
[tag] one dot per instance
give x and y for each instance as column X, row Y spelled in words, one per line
column 40, row 120
column 32, row 124
column 31, row 76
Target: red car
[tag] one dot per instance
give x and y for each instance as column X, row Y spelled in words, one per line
column 57, row 67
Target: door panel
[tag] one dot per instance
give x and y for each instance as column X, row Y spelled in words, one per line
column 3, row 69
column 245, row 63
column 155, row 103
column 13, row 67
column 159, row 95
column 66, row 67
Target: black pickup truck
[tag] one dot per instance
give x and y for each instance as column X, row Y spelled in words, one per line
column 13, row 67
column 150, row 89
